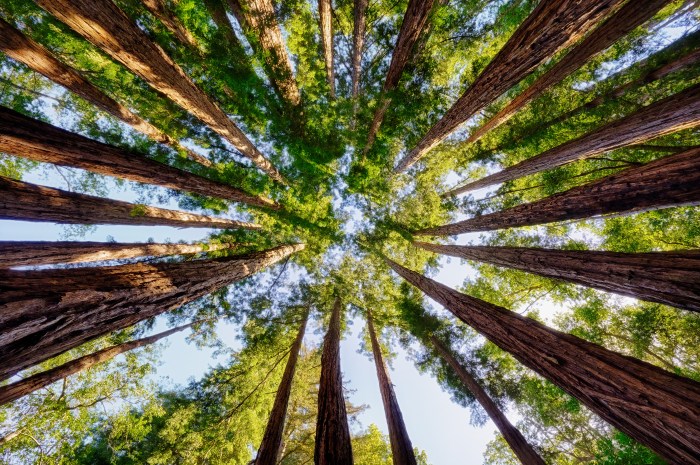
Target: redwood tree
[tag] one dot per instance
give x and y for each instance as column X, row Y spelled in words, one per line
column 358, row 41
column 159, row 9
column 325, row 17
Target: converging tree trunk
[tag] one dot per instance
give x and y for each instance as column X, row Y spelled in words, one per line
column 217, row 11
column 332, row 431
column 158, row 9
column 109, row 28
column 269, row 449
column 653, row 406
column 672, row 181
column 44, row 313
column 522, row 449
column 358, row 43
column 325, row 15
column 401, row 448
column 671, row 278
column 29, row 138
column 28, row 202
column 26, row 386
column 552, row 26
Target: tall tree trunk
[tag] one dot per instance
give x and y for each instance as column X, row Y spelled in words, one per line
column 271, row 444
column 24, row 50
column 670, row 278
column 44, row 313
column 106, row 26
column 552, row 26
column 653, row 406
column 28, row 202
column 672, row 181
column 674, row 113
column 332, row 431
column 217, row 11
column 29, row 138
column 401, row 447
column 325, row 17
column 25, row 253
column 158, row 9
column 619, row 24
column 26, row 386
column 358, row 42
column 522, row 449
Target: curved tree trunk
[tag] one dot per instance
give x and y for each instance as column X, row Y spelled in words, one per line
column 672, row 181
column 552, row 26
column 401, row 447
column 325, row 17
column 358, row 42
column 28, row 202
column 24, row 50
column 522, row 449
column 271, row 444
column 670, row 278
column 158, row 9
column 26, row 386
column 44, row 313
column 106, row 26
column 332, row 431
column 655, row 407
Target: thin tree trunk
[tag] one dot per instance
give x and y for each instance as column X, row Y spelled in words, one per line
column 401, row 447
column 26, row 386
column 158, row 9
column 24, row 50
column 670, row 278
column 671, row 181
column 522, row 449
column 44, row 313
column 657, row 408
column 25, row 253
column 106, row 26
column 28, row 202
column 325, row 15
column 358, row 42
column 332, row 431
column 217, row 11
column 552, row 26
column 271, row 444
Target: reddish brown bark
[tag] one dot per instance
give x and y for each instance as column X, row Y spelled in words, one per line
column 522, row 449
column 106, row 26
column 44, row 313
column 170, row 21
column 552, row 26
column 358, row 42
column 271, row 444
column 325, row 14
column 26, row 386
column 655, row 407
column 28, row 202
column 671, row 181
column 332, row 431
column 401, row 447
column 671, row 278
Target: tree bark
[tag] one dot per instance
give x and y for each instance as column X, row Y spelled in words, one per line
column 522, row 449
column 106, row 26
column 358, row 43
column 44, row 313
column 332, row 431
column 29, row 138
column 670, row 278
column 24, row 50
column 655, row 407
column 158, row 9
column 671, row 181
column 552, row 26
column 325, row 14
column 672, row 114
column 28, row 202
column 26, row 386
column 26, row 253
column 217, row 11
column 271, row 444
column 401, row 447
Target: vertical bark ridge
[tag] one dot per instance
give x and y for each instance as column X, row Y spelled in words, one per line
column 158, row 9
column 358, row 42
column 325, row 17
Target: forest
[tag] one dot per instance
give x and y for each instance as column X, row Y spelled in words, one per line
column 322, row 217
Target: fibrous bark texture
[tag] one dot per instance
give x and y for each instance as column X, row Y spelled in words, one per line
column 401, row 448
column 671, row 181
column 332, row 431
column 106, row 26
column 24, row 50
column 29, row 138
column 44, row 313
column 271, row 444
column 25, row 386
column 552, row 26
column 655, row 407
column 28, row 202
column 671, row 278
column 172, row 24
column 358, row 41
column 325, row 14
column 522, row 449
